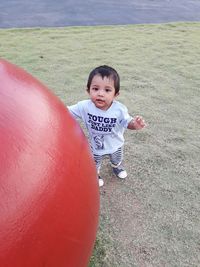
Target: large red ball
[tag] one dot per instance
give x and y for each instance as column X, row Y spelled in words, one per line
column 49, row 197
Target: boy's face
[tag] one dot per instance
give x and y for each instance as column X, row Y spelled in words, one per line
column 102, row 92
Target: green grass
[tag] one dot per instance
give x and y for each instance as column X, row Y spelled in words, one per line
column 152, row 219
column 100, row 255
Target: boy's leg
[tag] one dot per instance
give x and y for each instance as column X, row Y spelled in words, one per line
column 116, row 162
column 98, row 160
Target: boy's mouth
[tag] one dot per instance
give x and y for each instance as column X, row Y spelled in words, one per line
column 100, row 101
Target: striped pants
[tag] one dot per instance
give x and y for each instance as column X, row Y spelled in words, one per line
column 115, row 158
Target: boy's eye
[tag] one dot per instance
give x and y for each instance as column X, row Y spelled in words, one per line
column 108, row 90
column 95, row 88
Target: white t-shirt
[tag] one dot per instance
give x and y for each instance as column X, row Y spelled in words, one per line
column 105, row 127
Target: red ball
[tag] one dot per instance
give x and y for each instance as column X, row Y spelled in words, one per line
column 49, row 196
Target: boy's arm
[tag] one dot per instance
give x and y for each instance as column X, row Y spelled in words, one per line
column 136, row 123
column 75, row 111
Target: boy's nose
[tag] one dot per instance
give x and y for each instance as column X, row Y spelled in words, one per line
column 100, row 93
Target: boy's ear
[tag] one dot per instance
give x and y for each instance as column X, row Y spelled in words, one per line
column 116, row 94
column 87, row 90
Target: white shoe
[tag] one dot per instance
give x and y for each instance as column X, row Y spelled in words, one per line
column 120, row 172
column 101, row 182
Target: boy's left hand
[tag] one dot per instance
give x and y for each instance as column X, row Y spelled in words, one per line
column 138, row 123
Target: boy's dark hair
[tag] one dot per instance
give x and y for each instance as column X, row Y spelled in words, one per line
column 105, row 71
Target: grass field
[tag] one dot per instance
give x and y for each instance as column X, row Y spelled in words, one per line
column 153, row 218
